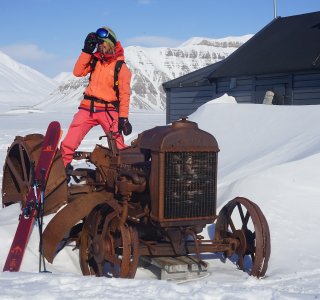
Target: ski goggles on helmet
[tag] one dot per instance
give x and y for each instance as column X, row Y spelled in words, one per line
column 104, row 34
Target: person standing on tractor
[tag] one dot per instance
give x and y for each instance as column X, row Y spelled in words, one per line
column 107, row 96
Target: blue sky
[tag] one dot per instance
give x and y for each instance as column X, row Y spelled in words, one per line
column 48, row 35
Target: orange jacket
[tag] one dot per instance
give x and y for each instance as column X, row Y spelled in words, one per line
column 102, row 80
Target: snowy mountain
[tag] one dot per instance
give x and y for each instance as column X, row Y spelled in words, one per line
column 274, row 164
column 20, row 85
column 150, row 68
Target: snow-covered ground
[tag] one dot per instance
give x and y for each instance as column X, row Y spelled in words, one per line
column 269, row 154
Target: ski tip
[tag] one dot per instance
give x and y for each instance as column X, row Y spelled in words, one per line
column 54, row 123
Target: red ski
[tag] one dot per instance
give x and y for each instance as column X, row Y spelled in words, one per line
column 29, row 211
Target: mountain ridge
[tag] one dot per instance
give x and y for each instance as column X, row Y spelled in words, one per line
column 20, row 85
column 150, row 68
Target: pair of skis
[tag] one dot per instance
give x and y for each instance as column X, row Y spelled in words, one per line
column 33, row 207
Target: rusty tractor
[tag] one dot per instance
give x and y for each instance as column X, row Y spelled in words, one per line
column 150, row 200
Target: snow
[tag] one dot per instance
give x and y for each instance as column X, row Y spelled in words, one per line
column 21, row 85
column 64, row 77
column 225, row 98
column 221, row 41
column 269, row 154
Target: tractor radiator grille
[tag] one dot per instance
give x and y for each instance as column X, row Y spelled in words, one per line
column 190, row 180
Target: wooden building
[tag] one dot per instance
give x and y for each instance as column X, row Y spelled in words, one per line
column 283, row 58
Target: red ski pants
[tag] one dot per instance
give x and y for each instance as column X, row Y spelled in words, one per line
column 82, row 122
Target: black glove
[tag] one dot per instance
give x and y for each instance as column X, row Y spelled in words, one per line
column 90, row 43
column 124, row 126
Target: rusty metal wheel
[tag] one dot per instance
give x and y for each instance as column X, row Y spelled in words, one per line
column 17, row 171
column 243, row 220
column 108, row 248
